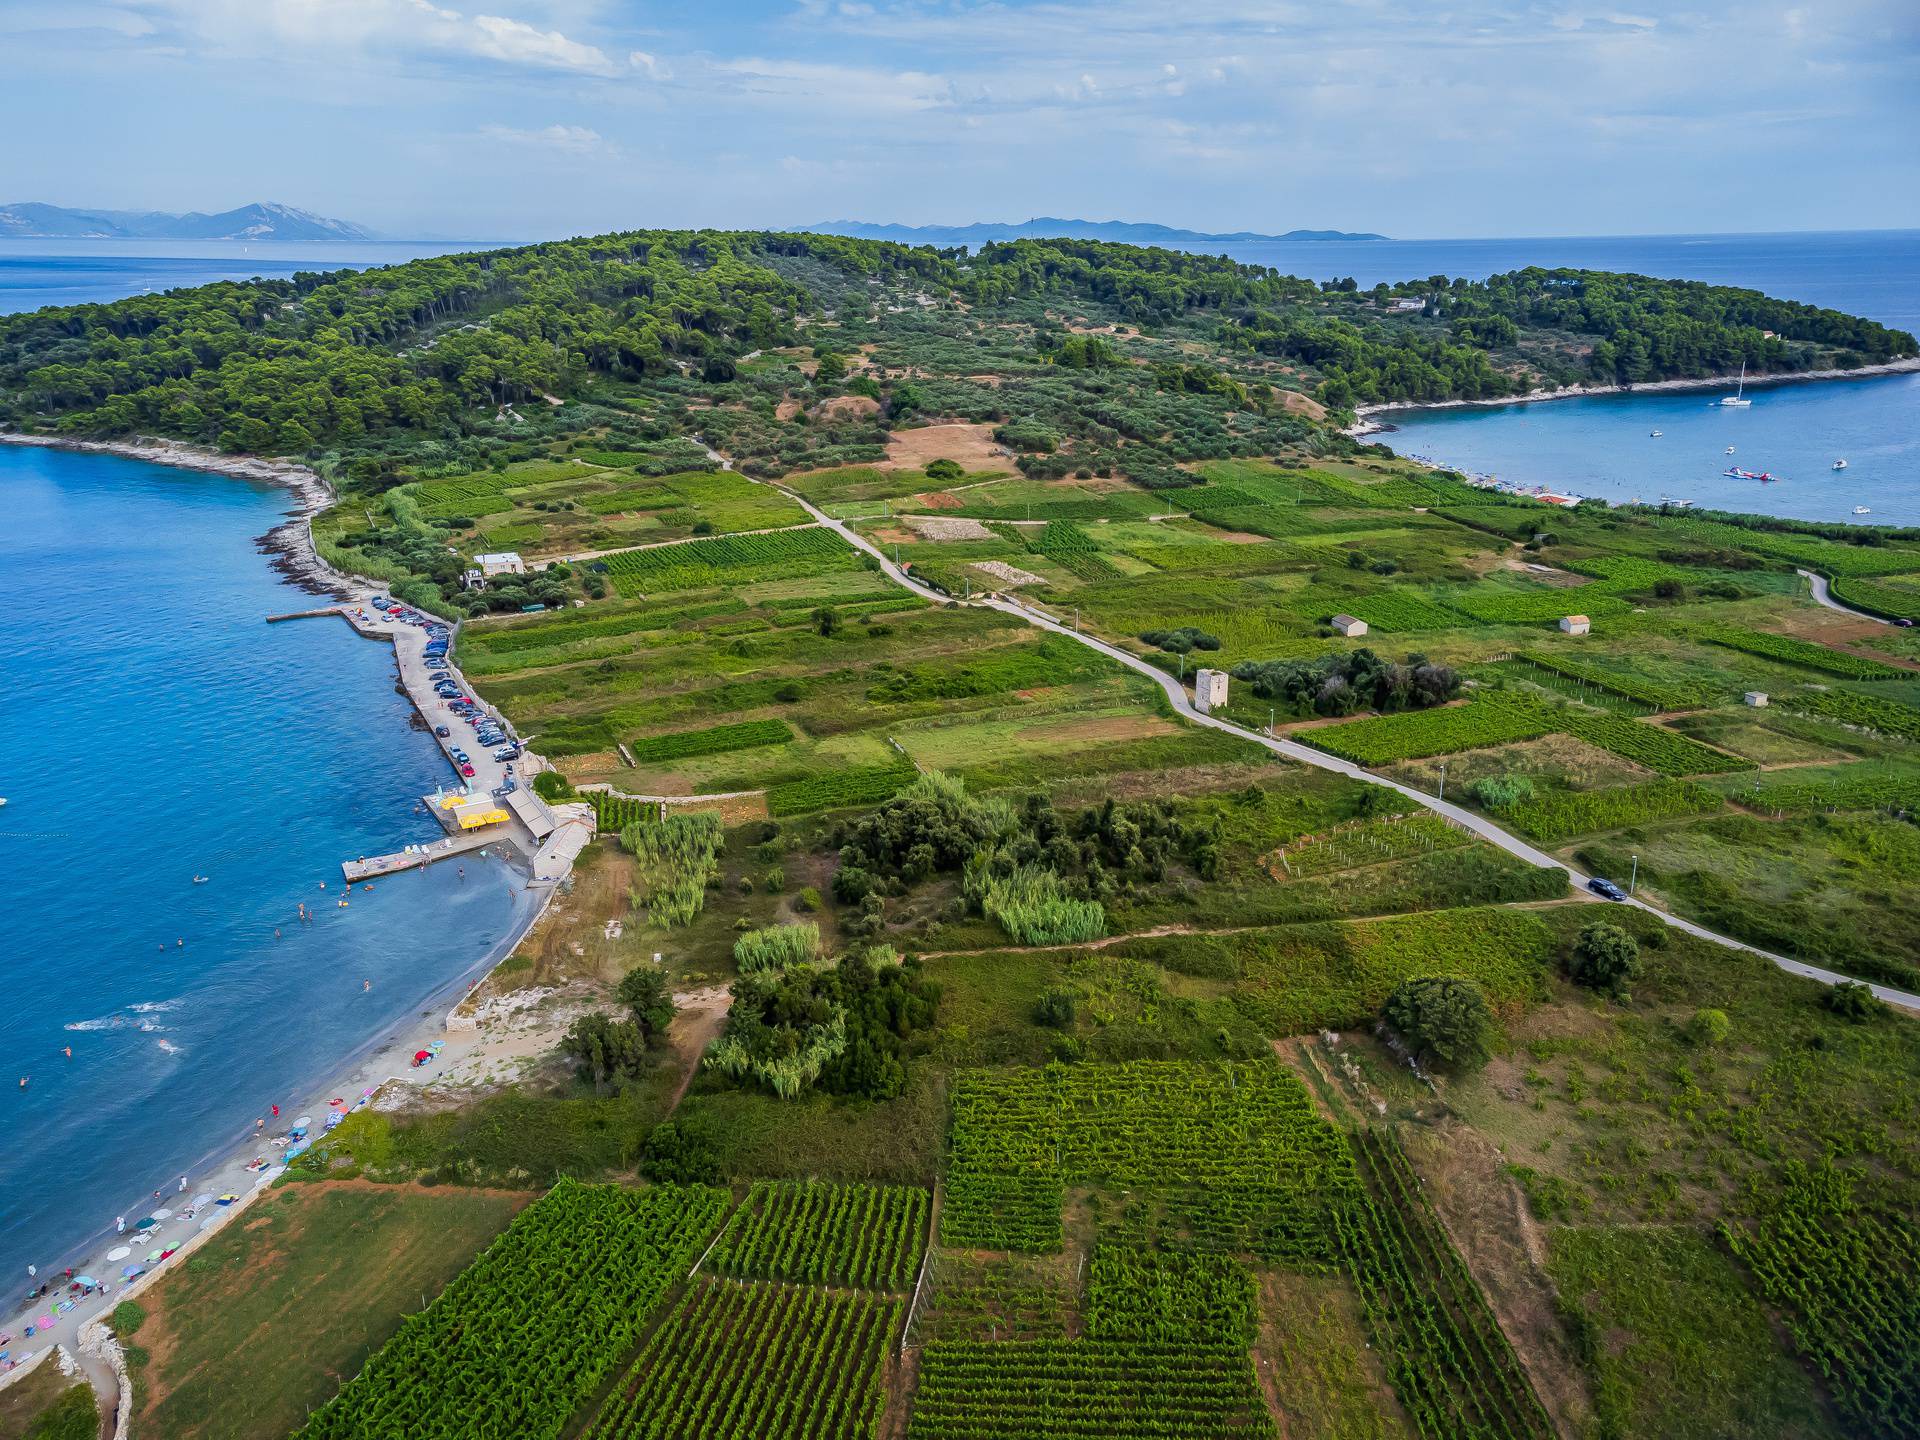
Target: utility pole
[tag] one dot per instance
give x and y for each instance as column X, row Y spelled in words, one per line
column 1183, row 669
column 1634, row 879
column 1076, row 619
column 1270, row 710
column 1443, row 781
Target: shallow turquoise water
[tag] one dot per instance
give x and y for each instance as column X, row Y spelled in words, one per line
column 153, row 728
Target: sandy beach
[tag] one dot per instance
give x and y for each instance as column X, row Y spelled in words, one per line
column 1367, row 423
column 490, row 1040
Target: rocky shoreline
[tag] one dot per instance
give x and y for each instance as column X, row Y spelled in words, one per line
column 1365, row 422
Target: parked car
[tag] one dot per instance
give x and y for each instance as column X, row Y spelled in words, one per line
column 467, row 770
column 442, row 731
column 1606, row 889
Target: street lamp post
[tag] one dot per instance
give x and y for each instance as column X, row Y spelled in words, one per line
column 1443, row 781
column 1634, row 878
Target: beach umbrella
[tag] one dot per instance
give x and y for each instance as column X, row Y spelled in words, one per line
column 45, row 1322
column 145, row 1222
column 163, row 1214
column 204, row 1199
column 119, row 1252
column 152, row 1255
column 84, row 1280
column 128, row 1272
column 304, row 1122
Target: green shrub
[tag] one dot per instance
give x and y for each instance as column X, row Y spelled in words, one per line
column 1852, row 1000
column 551, row 785
column 1604, row 957
column 1708, row 1028
column 1055, row 1008
column 1445, row 1020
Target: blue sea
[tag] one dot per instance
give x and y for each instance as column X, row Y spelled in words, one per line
column 153, row 728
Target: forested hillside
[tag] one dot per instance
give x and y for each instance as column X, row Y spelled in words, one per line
column 382, row 363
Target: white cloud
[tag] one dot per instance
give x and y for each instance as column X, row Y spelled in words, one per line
column 854, row 90
column 400, row 29
column 571, row 139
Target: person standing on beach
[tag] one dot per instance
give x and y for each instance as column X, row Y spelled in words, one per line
column 119, row 1224
column 183, row 1184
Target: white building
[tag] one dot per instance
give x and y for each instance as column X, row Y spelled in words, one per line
column 473, row 580
column 1349, row 624
column 1756, row 698
column 1575, row 624
column 501, row 562
column 1209, row 690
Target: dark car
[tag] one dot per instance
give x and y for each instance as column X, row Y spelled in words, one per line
column 1606, row 888
column 442, row 731
column 1904, row 623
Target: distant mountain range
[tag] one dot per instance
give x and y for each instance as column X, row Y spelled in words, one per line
column 31, row 221
column 1049, row 227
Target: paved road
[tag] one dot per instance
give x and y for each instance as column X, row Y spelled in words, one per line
column 1823, row 595
column 1177, row 696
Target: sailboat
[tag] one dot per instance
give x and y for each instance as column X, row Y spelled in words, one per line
column 1739, row 396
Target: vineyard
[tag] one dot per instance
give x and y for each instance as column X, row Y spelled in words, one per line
column 1663, row 751
column 1588, row 678
column 1897, row 601
column 757, row 1362
column 1803, row 653
column 1533, row 607
column 729, row 560
column 1042, row 1389
column 1416, row 734
column 1167, row 1297
column 869, row 1237
column 1867, row 712
column 1450, row 1364
column 1072, row 549
column 1239, row 1146
column 1400, row 610
column 1875, row 787
column 1367, row 842
column 714, row 740
column 527, row 1331
column 1849, row 1283
column 1814, row 552
column 614, row 813
column 1556, row 815
column 856, row 785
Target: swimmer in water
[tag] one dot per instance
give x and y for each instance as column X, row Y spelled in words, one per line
column 69, row 1051
column 364, row 985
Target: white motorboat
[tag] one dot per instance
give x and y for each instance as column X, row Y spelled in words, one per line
column 1861, row 510
column 1839, row 464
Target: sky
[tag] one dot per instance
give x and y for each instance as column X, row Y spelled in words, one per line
column 515, row 119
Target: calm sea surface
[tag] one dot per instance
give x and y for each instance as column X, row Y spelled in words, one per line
column 152, row 728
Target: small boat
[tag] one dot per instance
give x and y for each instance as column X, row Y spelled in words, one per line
column 1839, row 464
column 1739, row 396
column 1738, row 474
column 1861, row 510
column 1655, row 434
column 199, row 879
column 1729, row 449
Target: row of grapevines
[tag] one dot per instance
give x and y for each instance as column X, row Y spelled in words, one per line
column 1045, row 1389
column 857, row 785
column 1367, row 842
column 1416, row 734
column 1629, row 687
column 1858, row 787
column 714, row 740
column 527, row 1331
column 729, row 560
column 1849, row 1283
column 1868, row 712
column 1448, row 1360
column 1803, row 653
column 1555, row 815
column 757, row 1362
column 1663, row 751
column 1072, row 549
column 1169, row 1297
column 867, row 1236
column 1019, row 1136
column 1814, row 551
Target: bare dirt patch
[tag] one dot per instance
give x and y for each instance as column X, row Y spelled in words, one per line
column 1294, row 403
column 848, row 407
column 702, row 1013
column 972, row 447
column 1007, row 574
column 933, row 527
column 937, row 500
column 786, row 409
column 1497, row 1236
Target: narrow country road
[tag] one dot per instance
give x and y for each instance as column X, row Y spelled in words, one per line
column 1823, row 595
column 1177, row 696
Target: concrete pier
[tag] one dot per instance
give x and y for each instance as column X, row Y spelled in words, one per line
column 370, row 866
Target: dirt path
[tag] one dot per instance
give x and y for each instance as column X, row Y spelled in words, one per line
column 702, row 1013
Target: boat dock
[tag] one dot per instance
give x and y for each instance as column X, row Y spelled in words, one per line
column 303, row 614
column 369, row 867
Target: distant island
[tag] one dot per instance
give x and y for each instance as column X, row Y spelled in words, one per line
column 1048, row 227
column 32, row 221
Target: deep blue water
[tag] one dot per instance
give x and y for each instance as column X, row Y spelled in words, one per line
column 35, row 273
column 153, row 728
column 1602, row 447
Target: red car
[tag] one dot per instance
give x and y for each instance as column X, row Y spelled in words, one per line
column 467, row 770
